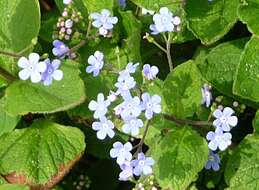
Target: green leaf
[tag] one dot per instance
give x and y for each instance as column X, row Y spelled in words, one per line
column 13, row 187
column 155, row 5
column 247, row 13
column 256, row 122
column 242, row 170
column 219, row 67
column 246, row 83
column 210, row 21
column 22, row 97
column 20, row 23
column 179, row 156
column 97, row 6
column 7, row 121
column 182, row 90
column 43, row 153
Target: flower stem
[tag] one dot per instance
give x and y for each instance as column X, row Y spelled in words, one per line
column 142, row 140
column 168, row 51
column 159, row 46
column 186, row 122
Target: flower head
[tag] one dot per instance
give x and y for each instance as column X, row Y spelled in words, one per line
column 150, row 72
column 151, row 105
column 206, row 95
column 131, row 107
column 60, row 49
column 132, row 126
column 218, row 139
column 122, row 3
column 103, row 21
column 142, row 165
column 121, row 152
column 124, row 84
column 104, row 128
column 100, row 106
column 213, row 161
column 96, row 63
column 31, row 68
column 52, row 72
column 164, row 20
column 224, row 119
column 130, row 68
column 127, row 171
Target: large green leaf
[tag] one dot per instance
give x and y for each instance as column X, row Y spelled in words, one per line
column 210, row 21
column 221, row 63
column 179, row 156
column 41, row 154
column 13, row 187
column 248, row 13
column 97, row 6
column 20, row 23
column 182, row 90
column 7, row 121
column 247, row 78
column 242, row 170
column 22, row 97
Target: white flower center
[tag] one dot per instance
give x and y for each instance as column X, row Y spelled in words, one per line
column 141, row 162
column 149, row 105
column 223, row 119
column 211, row 158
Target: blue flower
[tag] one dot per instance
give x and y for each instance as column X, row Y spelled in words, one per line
column 224, row 119
column 132, row 126
column 104, row 128
column 52, row 72
column 31, row 68
column 131, row 107
column 151, row 105
column 103, row 21
column 127, row 171
column 124, row 84
column 150, row 72
column 218, row 139
column 96, row 63
column 130, row 69
column 60, row 49
column 142, row 165
column 164, row 20
column 122, row 3
column 121, row 152
column 206, row 95
column 213, row 161
column 99, row 107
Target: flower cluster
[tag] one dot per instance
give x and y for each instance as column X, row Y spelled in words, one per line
column 103, row 21
column 39, row 71
column 164, row 21
column 129, row 111
column 221, row 137
column 64, row 26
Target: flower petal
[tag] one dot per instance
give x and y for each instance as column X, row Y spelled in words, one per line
column 23, row 62
column 57, row 75
column 35, row 77
column 34, row 58
column 227, row 112
column 24, row 74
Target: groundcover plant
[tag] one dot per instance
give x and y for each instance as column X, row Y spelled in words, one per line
column 129, row 94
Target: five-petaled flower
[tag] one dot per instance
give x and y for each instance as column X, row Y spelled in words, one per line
column 131, row 107
column 100, row 106
column 52, row 72
column 60, row 49
column 151, row 105
column 150, row 72
column 132, row 126
column 31, row 68
column 127, row 171
column 213, row 161
column 219, row 139
column 96, row 63
column 104, row 128
column 121, row 152
column 103, row 21
column 224, row 119
column 143, row 165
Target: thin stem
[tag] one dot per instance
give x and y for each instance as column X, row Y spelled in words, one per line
column 159, row 46
column 11, row 54
column 186, row 122
column 89, row 28
column 142, row 140
column 168, row 51
column 7, row 76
